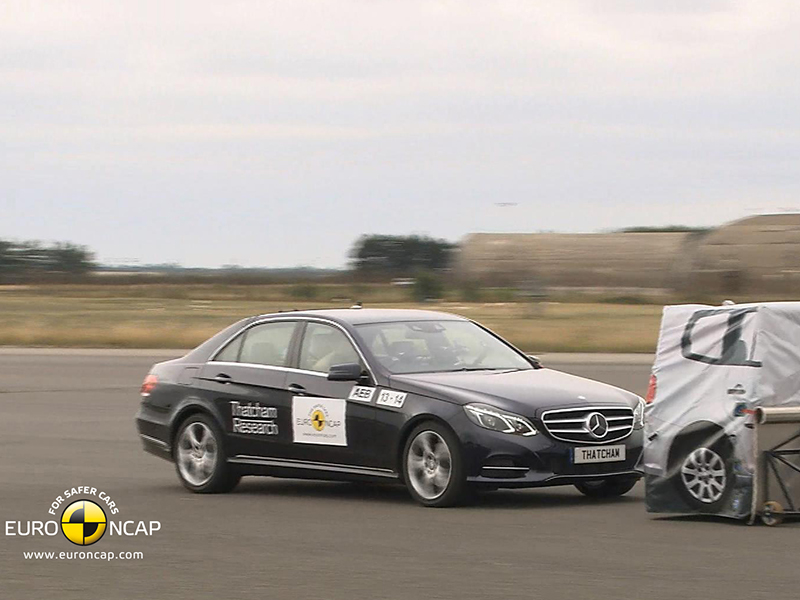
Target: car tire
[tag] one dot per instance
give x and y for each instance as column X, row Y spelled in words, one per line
column 200, row 459
column 607, row 488
column 702, row 470
column 433, row 469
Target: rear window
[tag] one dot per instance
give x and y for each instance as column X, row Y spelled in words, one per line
column 266, row 344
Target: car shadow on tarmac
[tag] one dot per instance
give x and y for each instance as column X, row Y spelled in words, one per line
column 545, row 498
column 699, row 519
column 542, row 498
column 788, row 523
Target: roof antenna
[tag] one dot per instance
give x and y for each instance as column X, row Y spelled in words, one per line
column 357, row 305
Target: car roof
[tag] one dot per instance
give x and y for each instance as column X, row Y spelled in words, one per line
column 361, row 316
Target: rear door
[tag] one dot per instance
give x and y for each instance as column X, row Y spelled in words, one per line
column 247, row 382
column 332, row 421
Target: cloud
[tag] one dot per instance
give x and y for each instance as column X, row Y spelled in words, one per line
column 390, row 116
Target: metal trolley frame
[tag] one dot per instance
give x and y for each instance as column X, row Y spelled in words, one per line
column 781, row 457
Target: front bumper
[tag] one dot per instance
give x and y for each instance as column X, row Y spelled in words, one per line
column 495, row 459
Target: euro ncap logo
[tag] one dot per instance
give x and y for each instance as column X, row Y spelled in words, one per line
column 318, row 420
column 83, row 523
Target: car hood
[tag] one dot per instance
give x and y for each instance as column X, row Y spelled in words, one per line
column 528, row 392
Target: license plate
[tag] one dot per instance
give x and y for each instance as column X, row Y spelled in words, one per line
column 599, row 454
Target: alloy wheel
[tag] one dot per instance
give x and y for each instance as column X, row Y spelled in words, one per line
column 197, row 453
column 704, row 476
column 430, row 465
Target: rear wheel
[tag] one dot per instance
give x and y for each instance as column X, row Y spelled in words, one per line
column 432, row 466
column 200, row 457
column 702, row 470
column 607, row 488
column 772, row 514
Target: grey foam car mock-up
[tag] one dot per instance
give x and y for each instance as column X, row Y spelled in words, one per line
column 714, row 367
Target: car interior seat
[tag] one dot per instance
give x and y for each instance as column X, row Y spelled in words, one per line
column 330, row 349
column 261, row 353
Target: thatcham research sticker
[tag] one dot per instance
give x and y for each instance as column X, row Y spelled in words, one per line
column 253, row 419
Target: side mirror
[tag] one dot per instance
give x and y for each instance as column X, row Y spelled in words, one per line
column 535, row 361
column 345, row 372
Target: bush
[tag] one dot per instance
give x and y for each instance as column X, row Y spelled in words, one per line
column 304, row 291
column 427, row 286
column 503, row 294
column 626, row 299
column 471, row 292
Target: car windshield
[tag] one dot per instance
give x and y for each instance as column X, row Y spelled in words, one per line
column 438, row 346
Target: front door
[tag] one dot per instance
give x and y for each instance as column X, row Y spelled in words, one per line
column 330, row 423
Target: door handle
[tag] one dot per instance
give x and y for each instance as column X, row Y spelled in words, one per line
column 223, row 378
column 296, row 388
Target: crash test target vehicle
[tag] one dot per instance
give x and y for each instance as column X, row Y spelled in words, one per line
column 432, row 400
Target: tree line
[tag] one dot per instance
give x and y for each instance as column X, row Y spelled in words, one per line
column 373, row 257
column 28, row 261
column 400, row 256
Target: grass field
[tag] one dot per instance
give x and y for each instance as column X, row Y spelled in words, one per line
column 181, row 316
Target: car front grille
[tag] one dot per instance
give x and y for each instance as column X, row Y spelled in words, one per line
column 576, row 424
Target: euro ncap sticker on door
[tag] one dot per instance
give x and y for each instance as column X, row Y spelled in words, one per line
column 319, row 421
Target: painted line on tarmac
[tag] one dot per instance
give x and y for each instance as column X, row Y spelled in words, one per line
column 109, row 352
column 133, row 389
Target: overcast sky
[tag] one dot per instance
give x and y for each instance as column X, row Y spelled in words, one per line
column 274, row 133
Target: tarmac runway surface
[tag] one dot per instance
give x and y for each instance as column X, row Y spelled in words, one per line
column 66, row 420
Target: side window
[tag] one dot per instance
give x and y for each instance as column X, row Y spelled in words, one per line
column 391, row 342
column 230, row 353
column 722, row 337
column 325, row 346
column 267, row 344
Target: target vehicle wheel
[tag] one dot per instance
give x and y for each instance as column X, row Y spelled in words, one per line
column 200, row 457
column 432, row 466
column 772, row 514
column 702, row 471
column 607, row 488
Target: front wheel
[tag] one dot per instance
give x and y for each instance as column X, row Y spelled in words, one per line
column 432, row 466
column 200, row 457
column 607, row 488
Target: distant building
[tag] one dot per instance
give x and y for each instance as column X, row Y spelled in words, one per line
column 757, row 253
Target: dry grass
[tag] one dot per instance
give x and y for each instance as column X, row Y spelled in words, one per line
column 183, row 316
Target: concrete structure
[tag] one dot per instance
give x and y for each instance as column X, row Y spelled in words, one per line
column 754, row 254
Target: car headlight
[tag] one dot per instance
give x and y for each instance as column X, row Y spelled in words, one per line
column 638, row 415
column 495, row 419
